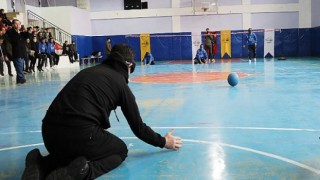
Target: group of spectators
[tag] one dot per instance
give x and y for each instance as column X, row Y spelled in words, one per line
column 24, row 46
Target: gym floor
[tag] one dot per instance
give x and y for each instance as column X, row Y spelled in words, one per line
column 266, row 127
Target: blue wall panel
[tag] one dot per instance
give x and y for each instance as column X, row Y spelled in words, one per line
column 278, row 44
column 304, row 40
column 178, row 46
column 237, row 44
column 315, row 41
column 134, row 43
column 84, row 45
column 260, row 44
column 171, row 46
column 287, row 42
column 99, row 44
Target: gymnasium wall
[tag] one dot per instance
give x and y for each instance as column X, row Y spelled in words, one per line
column 295, row 42
column 315, row 42
column 315, row 13
column 71, row 19
column 273, row 1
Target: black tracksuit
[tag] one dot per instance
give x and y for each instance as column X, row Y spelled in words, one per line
column 76, row 120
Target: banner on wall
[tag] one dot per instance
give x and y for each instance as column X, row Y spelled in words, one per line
column 144, row 44
column 269, row 43
column 225, row 43
column 196, row 41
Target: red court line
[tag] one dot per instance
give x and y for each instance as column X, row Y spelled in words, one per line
column 184, row 77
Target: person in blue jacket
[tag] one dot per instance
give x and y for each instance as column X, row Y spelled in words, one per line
column 42, row 53
column 51, row 53
column 148, row 59
column 201, row 56
column 252, row 44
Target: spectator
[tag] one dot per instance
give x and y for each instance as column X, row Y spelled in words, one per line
column 34, row 54
column 75, row 126
column 201, row 56
column 47, row 34
column 210, row 41
column 4, row 58
column 43, row 54
column 51, row 52
column 8, row 48
column 27, row 60
column 108, row 46
column 73, row 54
column 19, row 52
column 4, row 17
column 65, row 48
column 30, row 33
column 148, row 59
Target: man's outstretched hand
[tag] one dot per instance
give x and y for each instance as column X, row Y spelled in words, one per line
column 172, row 142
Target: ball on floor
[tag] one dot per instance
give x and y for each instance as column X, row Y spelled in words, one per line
column 233, row 79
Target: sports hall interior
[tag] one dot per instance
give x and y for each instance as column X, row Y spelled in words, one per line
column 265, row 127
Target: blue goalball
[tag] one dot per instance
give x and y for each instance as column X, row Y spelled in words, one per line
column 233, row 79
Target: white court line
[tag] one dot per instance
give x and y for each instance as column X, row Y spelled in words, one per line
column 242, row 128
column 290, row 161
column 198, row 127
column 317, row 171
column 18, row 147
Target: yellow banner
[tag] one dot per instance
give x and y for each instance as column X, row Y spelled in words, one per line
column 144, row 44
column 225, row 43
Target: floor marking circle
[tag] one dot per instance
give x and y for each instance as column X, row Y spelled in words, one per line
column 284, row 159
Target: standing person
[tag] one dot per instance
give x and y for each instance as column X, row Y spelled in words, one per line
column 108, row 47
column 252, row 45
column 73, row 53
column 19, row 51
column 35, row 52
column 148, row 59
column 209, row 39
column 65, row 49
column 201, row 56
column 75, row 127
column 4, row 17
column 4, row 58
column 27, row 60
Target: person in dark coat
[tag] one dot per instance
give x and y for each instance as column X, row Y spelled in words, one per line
column 4, row 58
column 19, row 49
column 75, row 127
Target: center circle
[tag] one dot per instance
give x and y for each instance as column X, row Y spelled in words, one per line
column 184, row 77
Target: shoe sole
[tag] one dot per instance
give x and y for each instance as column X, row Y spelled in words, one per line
column 32, row 171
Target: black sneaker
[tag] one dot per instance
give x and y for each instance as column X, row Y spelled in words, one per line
column 76, row 170
column 32, row 170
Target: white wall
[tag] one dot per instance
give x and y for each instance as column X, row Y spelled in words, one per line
column 275, row 20
column 131, row 26
column 315, row 4
column 4, row 5
column 232, row 14
column 107, row 17
column 274, row 1
column 71, row 19
column 214, row 22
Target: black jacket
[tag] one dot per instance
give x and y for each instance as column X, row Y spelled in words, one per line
column 18, row 42
column 88, row 99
